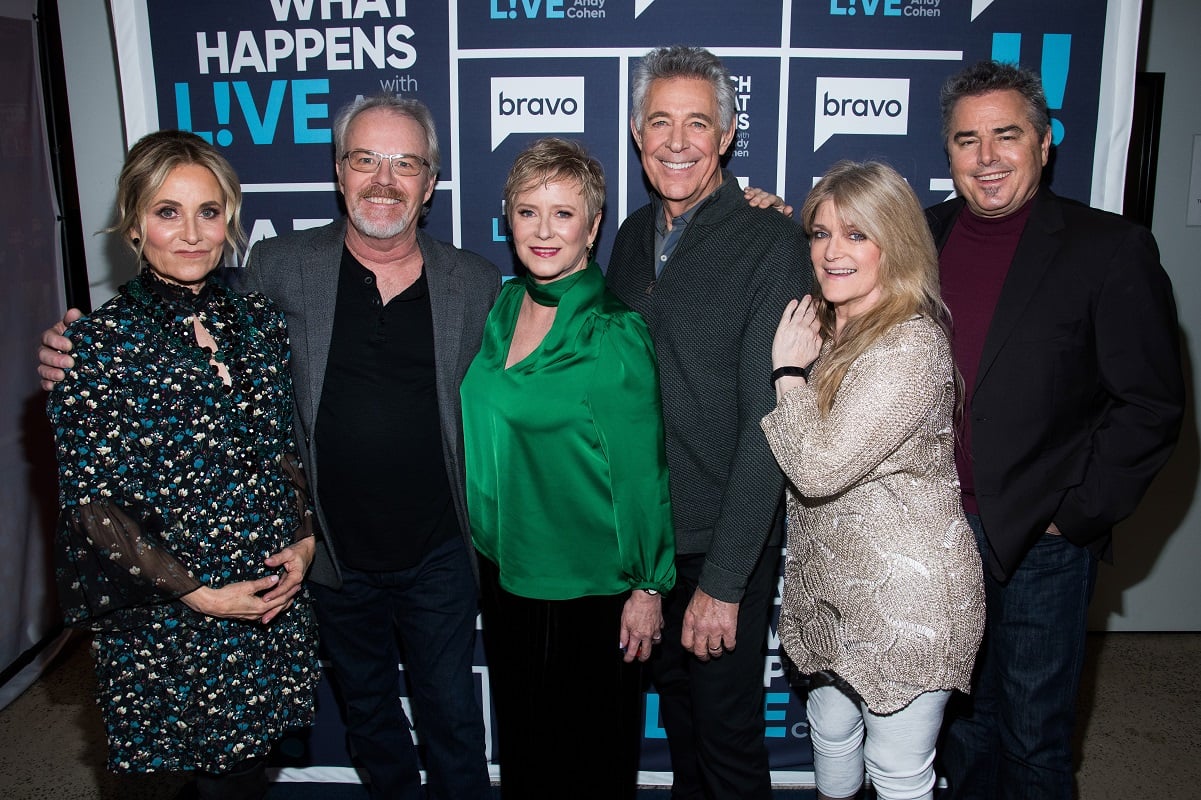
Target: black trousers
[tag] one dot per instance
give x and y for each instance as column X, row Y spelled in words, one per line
column 713, row 711
column 246, row 781
column 567, row 706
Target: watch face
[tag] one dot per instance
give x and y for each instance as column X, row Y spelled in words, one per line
column 651, row 591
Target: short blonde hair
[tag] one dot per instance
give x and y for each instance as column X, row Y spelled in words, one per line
column 146, row 168
column 554, row 160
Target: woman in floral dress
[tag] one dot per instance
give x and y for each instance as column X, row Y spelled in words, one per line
column 186, row 526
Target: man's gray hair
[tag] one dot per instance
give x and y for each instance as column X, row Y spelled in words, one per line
column 402, row 106
column 680, row 61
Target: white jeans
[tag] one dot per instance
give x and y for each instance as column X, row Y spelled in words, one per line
column 898, row 751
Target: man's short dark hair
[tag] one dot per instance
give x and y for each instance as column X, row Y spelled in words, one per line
column 993, row 76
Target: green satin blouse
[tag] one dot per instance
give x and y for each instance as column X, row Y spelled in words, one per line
column 566, row 469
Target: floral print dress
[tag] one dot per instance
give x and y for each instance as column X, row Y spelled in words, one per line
column 169, row 479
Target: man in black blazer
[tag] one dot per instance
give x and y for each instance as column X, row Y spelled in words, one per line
column 1065, row 332
column 383, row 321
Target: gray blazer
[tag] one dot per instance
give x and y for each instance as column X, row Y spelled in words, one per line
column 299, row 271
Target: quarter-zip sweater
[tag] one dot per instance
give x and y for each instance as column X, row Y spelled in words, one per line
column 712, row 313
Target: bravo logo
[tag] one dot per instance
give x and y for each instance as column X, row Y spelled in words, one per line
column 536, row 105
column 860, row 106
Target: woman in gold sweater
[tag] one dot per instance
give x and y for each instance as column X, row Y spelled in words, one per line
column 883, row 601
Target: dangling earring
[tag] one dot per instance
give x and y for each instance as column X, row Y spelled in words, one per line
column 136, row 241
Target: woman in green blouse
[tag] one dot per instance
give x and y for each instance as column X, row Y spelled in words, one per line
column 567, row 493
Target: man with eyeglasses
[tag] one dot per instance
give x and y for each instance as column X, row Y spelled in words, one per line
column 383, row 322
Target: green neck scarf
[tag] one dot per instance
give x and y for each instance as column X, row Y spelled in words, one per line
column 549, row 294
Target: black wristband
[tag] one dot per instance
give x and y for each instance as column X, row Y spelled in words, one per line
column 794, row 372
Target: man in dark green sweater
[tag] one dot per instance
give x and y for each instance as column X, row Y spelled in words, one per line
column 711, row 275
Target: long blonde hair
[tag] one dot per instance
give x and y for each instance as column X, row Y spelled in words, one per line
column 875, row 200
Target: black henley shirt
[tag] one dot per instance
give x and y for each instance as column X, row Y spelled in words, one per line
column 384, row 487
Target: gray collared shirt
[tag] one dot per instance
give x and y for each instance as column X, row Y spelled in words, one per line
column 666, row 238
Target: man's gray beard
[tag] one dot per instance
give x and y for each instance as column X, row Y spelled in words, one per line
column 377, row 230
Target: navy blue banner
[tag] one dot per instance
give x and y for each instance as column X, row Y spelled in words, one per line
column 599, row 24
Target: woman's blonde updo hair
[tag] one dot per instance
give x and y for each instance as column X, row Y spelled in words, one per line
column 146, row 168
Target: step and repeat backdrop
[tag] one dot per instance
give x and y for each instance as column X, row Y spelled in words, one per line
column 816, row 81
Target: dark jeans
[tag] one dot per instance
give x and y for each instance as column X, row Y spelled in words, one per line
column 1012, row 738
column 432, row 607
column 567, row 706
column 713, row 711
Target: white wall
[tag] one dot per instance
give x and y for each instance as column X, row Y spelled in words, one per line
column 1154, row 583
column 99, row 141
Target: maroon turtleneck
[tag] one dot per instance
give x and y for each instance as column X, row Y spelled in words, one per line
column 973, row 265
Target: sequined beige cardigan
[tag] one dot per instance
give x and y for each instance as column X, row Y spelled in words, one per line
column 883, row 582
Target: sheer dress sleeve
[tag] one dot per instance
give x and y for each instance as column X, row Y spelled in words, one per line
column 112, row 567
column 304, row 500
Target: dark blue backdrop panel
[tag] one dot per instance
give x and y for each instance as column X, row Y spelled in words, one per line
column 866, row 109
column 265, row 84
column 530, row 106
column 1062, row 41
column 519, row 24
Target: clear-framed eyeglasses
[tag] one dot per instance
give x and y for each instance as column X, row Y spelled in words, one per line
column 404, row 165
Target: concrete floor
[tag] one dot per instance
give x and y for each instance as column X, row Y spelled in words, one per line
column 1140, row 702
column 1140, row 706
